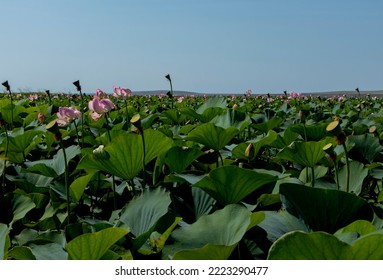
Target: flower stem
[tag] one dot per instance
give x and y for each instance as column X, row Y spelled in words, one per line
column 336, row 175
column 347, row 167
column 113, row 178
column 66, row 179
column 312, row 177
column 5, row 161
column 143, row 159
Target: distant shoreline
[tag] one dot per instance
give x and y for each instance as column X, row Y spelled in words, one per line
column 190, row 93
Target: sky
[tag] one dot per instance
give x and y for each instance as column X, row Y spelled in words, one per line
column 207, row 46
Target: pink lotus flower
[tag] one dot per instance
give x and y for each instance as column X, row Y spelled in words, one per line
column 248, row 92
column 67, row 115
column 101, row 94
column 99, row 107
column 122, row 92
column 293, row 94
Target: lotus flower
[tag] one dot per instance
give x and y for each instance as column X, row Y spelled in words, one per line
column 101, row 93
column 67, row 115
column 122, row 92
column 99, row 107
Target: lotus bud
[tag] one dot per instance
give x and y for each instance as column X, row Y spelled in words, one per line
column 100, row 153
column 249, row 152
column 40, row 117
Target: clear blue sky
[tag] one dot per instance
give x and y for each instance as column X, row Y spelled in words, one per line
column 207, row 46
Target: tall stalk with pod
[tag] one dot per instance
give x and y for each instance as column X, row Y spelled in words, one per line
column 340, row 138
column 8, row 88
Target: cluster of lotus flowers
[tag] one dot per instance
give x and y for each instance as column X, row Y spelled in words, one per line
column 99, row 106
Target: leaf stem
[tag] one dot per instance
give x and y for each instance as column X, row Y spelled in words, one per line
column 113, row 178
column 5, row 161
column 66, row 176
column 312, row 177
column 347, row 167
column 143, row 160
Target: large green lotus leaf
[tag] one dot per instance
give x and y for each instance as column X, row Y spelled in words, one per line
column 7, row 110
column 212, row 102
column 285, row 138
column 239, row 151
column 4, row 241
column 21, row 253
column 125, row 154
column 57, row 163
column 172, row 116
column 212, row 136
column 92, row 246
column 367, row 147
column 269, row 125
column 279, row 223
column 361, row 227
column 224, row 228
column 311, row 132
column 358, row 172
column 78, row 186
column 179, row 158
column 324, row 209
column 304, row 153
column 232, row 118
column 19, row 143
column 13, row 207
column 203, row 202
column 204, row 117
column 306, row 174
column 144, row 211
column 207, row 252
column 42, row 169
column 369, row 247
column 48, row 251
column 231, row 184
column 298, row 245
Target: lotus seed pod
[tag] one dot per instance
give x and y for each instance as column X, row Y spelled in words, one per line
column 136, row 121
column 330, row 153
column 53, row 128
column 334, row 128
column 372, row 129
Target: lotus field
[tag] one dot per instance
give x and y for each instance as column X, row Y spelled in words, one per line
column 121, row 176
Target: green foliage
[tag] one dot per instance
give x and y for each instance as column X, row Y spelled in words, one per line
column 93, row 246
column 213, row 177
column 231, row 184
